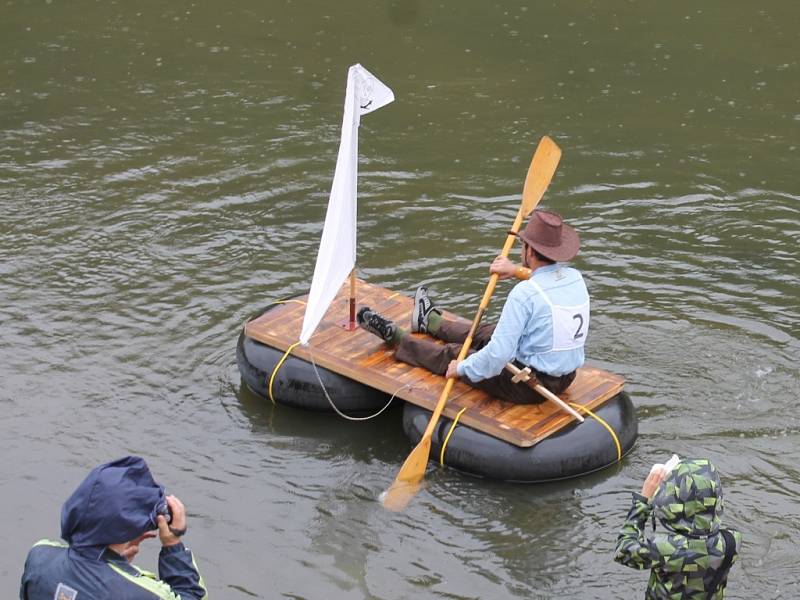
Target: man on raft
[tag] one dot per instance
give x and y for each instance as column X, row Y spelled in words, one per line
column 543, row 325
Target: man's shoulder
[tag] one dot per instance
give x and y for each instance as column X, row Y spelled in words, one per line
column 46, row 547
column 523, row 290
column 550, row 279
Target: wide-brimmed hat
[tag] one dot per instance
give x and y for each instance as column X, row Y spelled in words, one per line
column 547, row 233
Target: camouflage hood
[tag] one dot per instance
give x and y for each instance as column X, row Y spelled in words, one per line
column 689, row 500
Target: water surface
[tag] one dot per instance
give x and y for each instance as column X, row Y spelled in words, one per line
column 164, row 172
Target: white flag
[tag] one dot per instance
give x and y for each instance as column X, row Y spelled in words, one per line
column 337, row 250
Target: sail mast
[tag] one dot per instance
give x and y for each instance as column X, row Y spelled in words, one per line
column 336, row 257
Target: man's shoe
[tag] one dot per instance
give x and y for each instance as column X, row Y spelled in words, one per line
column 376, row 324
column 423, row 307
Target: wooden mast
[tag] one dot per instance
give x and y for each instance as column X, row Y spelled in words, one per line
column 350, row 324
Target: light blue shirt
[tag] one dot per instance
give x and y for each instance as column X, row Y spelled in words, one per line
column 526, row 329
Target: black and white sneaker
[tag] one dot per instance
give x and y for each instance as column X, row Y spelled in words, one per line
column 423, row 307
column 376, row 324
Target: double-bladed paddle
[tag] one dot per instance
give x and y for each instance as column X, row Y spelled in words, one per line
column 409, row 478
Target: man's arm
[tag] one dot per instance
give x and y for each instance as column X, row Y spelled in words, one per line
column 633, row 548
column 176, row 566
column 505, row 269
column 502, row 348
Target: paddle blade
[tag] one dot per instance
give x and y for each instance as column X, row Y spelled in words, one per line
column 399, row 494
column 409, row 478
column 540, row 173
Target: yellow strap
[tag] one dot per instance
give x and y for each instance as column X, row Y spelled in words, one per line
column 604, row 424
column 449, row 433
column 278, row 366
column 577, row 406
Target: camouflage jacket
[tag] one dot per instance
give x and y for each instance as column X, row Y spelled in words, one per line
column 684, row 559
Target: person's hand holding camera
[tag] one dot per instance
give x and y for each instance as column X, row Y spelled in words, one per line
column 654, row 479
column 170, row 532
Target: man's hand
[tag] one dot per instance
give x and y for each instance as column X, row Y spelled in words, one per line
column 452, row 369
column 502, row 267
column 654, row 479
column 166, row 531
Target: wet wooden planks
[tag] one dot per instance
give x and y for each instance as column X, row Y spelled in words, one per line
column 361, row 356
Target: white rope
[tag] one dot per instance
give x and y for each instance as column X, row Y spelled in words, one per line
column 340, row 413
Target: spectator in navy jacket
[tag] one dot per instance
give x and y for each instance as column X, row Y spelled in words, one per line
column 112, row 511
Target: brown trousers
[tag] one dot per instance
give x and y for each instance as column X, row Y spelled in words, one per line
column 427, row 354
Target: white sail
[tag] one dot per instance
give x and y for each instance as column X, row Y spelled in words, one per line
column 337, row 250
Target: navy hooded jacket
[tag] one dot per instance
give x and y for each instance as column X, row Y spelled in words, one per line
column 116, row 503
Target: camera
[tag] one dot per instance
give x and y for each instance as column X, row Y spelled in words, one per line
column 163, row 509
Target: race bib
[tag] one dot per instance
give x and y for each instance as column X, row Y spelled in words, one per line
column 570, row 326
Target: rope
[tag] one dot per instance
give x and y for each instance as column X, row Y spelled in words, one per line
column 322, row 385
column 449, row 433
column 278, row 366
column 319, row 379
column 330, row 400
column 604, row 424
column 334, row 407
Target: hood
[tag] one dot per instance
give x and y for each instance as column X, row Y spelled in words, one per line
column 117, row 502
column 689, row 500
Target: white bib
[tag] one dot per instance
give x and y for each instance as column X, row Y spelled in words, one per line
column 570, row 323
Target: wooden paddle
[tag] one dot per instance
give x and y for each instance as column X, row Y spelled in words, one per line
column 409, row 478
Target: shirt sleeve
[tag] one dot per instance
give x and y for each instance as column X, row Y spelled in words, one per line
column 177, row 568
column 502, row 348
column 634, row 549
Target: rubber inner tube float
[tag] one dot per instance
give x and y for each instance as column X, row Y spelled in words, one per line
column 296, row 384
column 576, row 450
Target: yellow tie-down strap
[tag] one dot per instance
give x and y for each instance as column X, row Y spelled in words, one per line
column 576, row 406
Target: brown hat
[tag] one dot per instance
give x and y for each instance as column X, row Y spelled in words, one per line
column 547, row 233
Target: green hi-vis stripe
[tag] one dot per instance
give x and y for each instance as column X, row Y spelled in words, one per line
column 201, row 582
column 154, row 586
column 148, row 581
column 55, row 543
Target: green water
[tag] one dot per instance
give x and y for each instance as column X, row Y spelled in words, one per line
column 164, row 172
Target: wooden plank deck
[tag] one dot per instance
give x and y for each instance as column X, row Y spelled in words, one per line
column 361, row 356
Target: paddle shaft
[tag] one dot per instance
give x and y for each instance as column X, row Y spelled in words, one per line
column 487, row 296
column 540, row 173
column 408, row 479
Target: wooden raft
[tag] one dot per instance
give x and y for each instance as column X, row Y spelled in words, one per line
column 363, row 357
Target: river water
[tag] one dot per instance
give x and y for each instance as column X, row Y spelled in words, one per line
column 164, row 172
